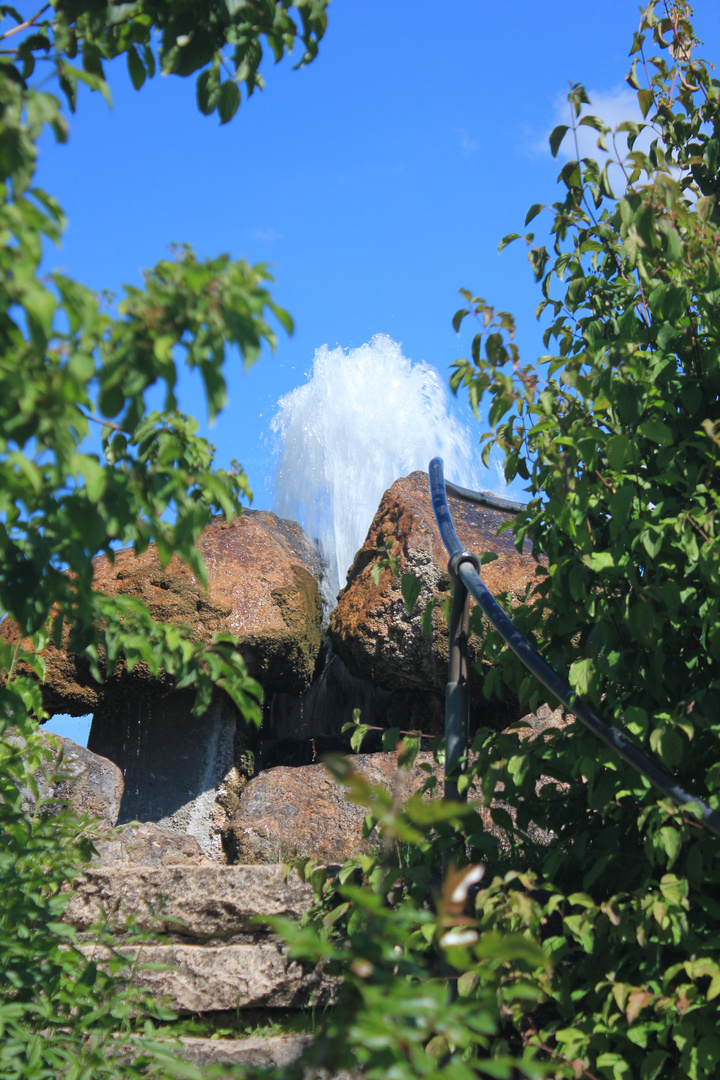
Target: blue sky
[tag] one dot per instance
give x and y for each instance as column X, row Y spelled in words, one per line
column 377, row 181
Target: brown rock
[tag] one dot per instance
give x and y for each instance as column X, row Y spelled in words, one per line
column 370, row 628
column 262, row 574
column 217, row 978
column 147, row 844
column 304, row 812
column 207, row 903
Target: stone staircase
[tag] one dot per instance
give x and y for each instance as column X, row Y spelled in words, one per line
column 208, row 955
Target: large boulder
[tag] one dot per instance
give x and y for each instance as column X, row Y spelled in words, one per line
column 263, row 576
column 370, row 628
column 304, row 812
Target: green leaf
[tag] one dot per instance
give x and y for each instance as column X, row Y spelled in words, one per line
column 582, row 675
column 619, row 451
column 556, row 137
column 228, row 100
column 507, row 239
column 136, row 67
column 646, row 99
column 208, row 90
column 657, row 431
column 652, row 1064
column 426, row 618
column 411, row 587
column 533, row 212
column 671, row 843
column 358, row 736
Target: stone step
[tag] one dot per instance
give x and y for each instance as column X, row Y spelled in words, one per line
column 218, row 978
column 258, row 1051
column 211, row 904
column 268, row 1051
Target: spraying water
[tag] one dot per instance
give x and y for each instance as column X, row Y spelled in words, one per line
column 364, row 418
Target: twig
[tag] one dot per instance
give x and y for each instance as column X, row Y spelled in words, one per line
column 26, row 25
column 557, row 1056
column 416, row 734
column 103, row 423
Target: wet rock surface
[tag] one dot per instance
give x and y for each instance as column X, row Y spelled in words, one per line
column 181, row 771
column 370, row 629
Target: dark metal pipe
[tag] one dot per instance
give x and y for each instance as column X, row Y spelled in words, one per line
column 457, row 696
column 484, row 498
column 545, row 674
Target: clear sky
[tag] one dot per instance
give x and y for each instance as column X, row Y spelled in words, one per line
column 377, row 181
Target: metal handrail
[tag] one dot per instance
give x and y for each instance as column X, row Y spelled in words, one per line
column 464, row 569
column 484, row 498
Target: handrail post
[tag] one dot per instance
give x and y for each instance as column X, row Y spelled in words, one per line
column 457, row 692
column 457, row 696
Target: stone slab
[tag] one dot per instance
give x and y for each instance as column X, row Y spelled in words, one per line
column 217, row 978
column 272, row 1051
column 202, row 902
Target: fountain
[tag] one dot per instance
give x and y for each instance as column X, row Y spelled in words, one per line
column 365, row 417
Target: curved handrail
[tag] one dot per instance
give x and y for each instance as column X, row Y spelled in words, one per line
column 468, row 575
column 484, row 498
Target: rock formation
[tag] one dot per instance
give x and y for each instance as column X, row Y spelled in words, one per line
column 370, row 628
column 201, row 787
column 187, row 774
column 263, row 586
column 181, row 771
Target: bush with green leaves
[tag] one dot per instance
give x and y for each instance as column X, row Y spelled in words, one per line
column 71, row 365
column 617, row 431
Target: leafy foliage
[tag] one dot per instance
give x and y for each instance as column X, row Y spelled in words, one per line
column 70, row 361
